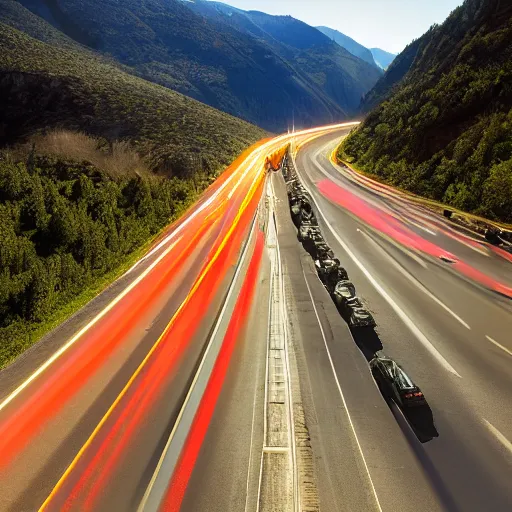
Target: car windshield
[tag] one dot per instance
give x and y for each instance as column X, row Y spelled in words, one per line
column 344, row 291
column 399, row 376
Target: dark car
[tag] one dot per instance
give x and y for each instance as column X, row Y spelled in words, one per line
column 359, row 316
column 296, row 203
column 395, row 384
column 330, row 272
column 343, row 292
column 320, row 250
column 311, row 243
column 493, row 236
column 342, row 275
column 309, row 232
column 306, row 213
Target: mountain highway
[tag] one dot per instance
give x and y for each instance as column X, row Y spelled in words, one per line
column 218, row 375
column 441, row 299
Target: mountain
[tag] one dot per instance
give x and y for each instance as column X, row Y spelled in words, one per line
column 166, row 42
column 77, row 202
column 330, row 69
column 382, row 58
column 445, row 130
column 394, row 74
column 44, row 86
column 350, row 45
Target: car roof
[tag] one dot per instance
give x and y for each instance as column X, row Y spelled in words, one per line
column 397, row 372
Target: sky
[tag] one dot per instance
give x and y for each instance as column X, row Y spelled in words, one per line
column 387, row 24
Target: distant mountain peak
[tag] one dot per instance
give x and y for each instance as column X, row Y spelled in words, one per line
column 350, row 45
column 382, row 58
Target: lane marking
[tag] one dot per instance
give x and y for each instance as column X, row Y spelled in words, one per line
column 265, row 397
column 413, row 280
column 252, row 438
column 196, row 285
column 84, row 329
column 276, row 449
column 196, row 212
column 499, row 345
column 377, row 502
column 416, row 224
column 183, row 409
column 403, row 316
column 499, row 436
column 291, row 419
column 278, row 314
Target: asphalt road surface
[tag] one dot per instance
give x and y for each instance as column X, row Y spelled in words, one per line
column 447, row 323
column 218, row 375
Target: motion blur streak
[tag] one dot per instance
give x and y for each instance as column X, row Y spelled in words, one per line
column 163, row 358
column 178, row 485
column 75, row 370
column 389, row 225
column 400, row 199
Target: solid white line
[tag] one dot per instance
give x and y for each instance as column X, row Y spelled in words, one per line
column 284, row 317
column 413, row 223
column 499, row 345
column 260, row 482
column 276, row 271
column 84, row 329
column 276, row 449
column 408, row 322
column 377, row 502
column 251, row 442
column 413, row 280
column 265, row 411
column 199, row 370
column 499, row 436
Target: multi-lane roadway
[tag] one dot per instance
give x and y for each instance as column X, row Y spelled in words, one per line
column 218, row 375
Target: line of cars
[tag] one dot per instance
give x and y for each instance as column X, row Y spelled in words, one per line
column 331, row 273
column 393, row 382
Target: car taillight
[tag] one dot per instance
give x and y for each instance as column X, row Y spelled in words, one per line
column 419, row 393
column 409, row 395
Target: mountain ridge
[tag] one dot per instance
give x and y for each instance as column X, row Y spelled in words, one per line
column 382, row 57
column 444, row 130
column 166, row 42
column 349, row 44
column 44, row 86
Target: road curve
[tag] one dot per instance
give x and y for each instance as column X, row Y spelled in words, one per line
column 87, row 412
column 218, row 375
column 446, row 320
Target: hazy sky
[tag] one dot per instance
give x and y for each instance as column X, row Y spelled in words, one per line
column 386, row 24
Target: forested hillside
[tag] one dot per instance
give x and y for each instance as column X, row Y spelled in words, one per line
column 75, row 206
column 445, row 132
column 43, row 86
column 169, row 45
column 166, row 42
column 65, row 224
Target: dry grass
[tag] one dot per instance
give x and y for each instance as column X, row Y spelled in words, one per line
column 117, row 160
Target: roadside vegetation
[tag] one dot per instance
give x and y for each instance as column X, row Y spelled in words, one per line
column 68, row 227
column 445, row 131
column 45, row 87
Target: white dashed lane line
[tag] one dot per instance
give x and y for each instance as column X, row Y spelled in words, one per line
column 499, row 345
column 499, row 436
